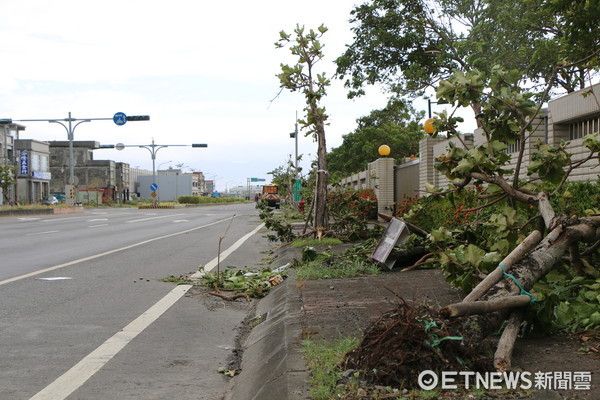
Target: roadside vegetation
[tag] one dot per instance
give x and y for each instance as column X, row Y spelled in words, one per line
column 498, row 217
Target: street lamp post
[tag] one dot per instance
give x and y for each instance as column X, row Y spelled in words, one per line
column 153, row 149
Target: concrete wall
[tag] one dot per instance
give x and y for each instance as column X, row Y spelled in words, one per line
column 406, row 180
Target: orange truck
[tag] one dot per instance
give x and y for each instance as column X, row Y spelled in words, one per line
column 270, row 195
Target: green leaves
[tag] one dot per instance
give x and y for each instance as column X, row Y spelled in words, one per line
column 592, row 142
column 549, row 162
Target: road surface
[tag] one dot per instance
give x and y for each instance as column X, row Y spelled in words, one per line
column 85, row 316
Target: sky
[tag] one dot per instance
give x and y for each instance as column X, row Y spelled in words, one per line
column 204, row 71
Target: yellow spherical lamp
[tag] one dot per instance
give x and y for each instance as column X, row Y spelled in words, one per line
column 428, row 126
column 384, row 150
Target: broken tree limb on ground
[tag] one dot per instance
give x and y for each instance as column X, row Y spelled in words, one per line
column 533, row 267
column 484, row 307
column 493, row 277
column 503, row 355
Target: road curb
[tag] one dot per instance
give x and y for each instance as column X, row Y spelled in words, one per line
column 273, row 367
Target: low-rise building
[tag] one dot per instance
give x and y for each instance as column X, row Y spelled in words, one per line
column 89, row 174
column 33, row 171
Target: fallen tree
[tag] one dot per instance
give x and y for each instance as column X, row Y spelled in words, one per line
column 519, row 256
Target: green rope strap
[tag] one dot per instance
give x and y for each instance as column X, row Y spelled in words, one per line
column 435, row 342
column 523, row 291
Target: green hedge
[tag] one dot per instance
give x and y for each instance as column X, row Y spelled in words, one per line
column 208, row 200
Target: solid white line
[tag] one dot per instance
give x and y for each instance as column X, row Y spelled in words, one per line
column 147, row 219
column 40, row 233
column 41, row 271
column 71, row 380
column 59, row 218
column 75, row 377
column 212, row 264
column 96, row 226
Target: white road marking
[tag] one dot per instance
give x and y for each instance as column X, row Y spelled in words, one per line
column 55, row 278
column 28, row 218
column 71, row 380
column 181, row 220
column 40, row 233
column 147, row 219
column 59, row 218
column 41, row 271
column 96, row 226
column 75, row 377
column 97, row 219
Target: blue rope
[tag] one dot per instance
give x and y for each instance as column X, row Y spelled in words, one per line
column 523, row 291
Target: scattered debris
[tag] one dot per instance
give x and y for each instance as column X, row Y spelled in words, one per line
column 243, row 283
column 228, row 372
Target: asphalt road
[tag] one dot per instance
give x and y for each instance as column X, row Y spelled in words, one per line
column 85, row 316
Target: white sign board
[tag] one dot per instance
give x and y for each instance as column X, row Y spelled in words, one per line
column 395, row 233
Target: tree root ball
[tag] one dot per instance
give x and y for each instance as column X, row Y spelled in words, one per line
column 410, row 339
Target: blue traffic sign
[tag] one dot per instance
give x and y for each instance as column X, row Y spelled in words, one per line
column 120, row 118
column 154, row 186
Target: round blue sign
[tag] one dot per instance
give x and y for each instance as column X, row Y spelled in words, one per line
column 154, row 186
column 120, row 118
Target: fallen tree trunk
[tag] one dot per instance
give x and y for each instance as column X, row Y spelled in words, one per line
column 411, row 338
column 532, row 268
column 493, row 277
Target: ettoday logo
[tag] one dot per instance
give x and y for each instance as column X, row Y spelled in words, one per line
column 559, row 380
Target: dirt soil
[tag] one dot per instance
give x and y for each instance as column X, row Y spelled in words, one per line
column 346, row 307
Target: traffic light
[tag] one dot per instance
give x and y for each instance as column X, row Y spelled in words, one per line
column 292, row 135
column 199, row 145
column 138, row 118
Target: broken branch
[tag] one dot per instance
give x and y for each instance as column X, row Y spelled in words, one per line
column 503, row 355
column 493, row 277
column 484, row 307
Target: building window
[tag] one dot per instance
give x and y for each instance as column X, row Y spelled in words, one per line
column 514, row 147
column 35, row 162
column 579, row 129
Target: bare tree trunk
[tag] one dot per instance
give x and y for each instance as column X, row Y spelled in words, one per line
column 321, row 217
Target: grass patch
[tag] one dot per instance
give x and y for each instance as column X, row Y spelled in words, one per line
column 327, row 241
column 323, row 358
column 342, row 269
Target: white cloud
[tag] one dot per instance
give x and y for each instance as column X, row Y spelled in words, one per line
column 204, row 72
